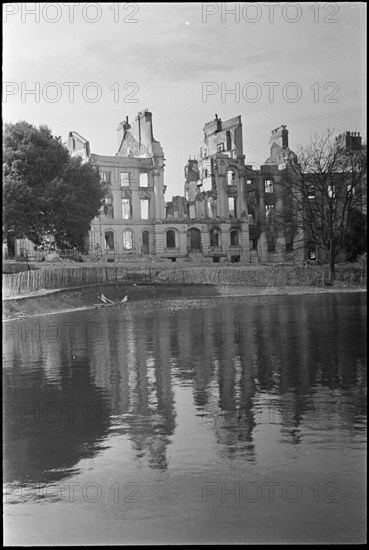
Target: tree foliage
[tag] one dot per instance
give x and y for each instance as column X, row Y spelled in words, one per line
column 322, row 191
column 356, row 236
column 46, row 191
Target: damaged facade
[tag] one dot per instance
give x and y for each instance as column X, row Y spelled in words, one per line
column 215, row 204
column 226, row 213
column 229, row 208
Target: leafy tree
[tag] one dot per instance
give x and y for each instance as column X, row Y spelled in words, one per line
column 321, row 192
column 356, row 236
column 47, row 193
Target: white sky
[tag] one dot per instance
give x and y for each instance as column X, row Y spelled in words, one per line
column 169, row 51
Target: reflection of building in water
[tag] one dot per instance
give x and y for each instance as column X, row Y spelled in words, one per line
column 151, row 419
column 236, row 422
column 231, row 355
column 220, row 364
column 133, row 361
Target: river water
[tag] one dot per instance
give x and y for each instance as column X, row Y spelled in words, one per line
column 188, row 421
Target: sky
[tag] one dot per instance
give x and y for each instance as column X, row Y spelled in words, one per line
column 86, row 66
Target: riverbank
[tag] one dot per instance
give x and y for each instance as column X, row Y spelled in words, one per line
column 46, row 302
column 71, row 276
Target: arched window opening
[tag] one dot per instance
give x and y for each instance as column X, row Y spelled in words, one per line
column 214, row 237
column 127, row 240
column 146, row 242
column 109, row 240
column 171, row 239
column 235, row 241
column 289, row 243
column 271, row 243
column 193, row 239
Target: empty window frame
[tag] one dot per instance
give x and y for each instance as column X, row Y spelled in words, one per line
column 127, row 240
column 253, row 243
column 228, row 140
column 124, row 179
column 268, row 186
column 235, row 237
column 231, row 177
column 331, row 191
column 232, row 207
column 144, row 179
column 171, row 238
column 211, row 207
column 269, row 213
column 106, row 176
column 144, row 209
column 109, row 240
column 289, row 243
column 271, row 243
column 214, row 237
column 126, row 209
column 108, row 208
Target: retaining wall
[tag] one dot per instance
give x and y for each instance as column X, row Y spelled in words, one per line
column 65, row 277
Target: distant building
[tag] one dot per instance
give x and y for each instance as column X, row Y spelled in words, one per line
column 226, row 213
column 131, row 218
column 78, row 146
column 215, row 203
column 228, row 210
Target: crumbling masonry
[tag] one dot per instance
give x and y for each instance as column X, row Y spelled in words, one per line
column 227, row 211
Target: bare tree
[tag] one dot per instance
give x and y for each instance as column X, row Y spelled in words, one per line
column 322, row 190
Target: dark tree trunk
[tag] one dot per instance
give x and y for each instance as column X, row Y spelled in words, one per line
column 331, row 266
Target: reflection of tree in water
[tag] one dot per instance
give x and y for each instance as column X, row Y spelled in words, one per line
column 46, row 448
column 304, row 347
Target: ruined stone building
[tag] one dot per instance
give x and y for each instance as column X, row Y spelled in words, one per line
column 228, row 210
column 266, row 191
column 130, row 220
column 225, row 215
column 214, row 208
column 235, row 202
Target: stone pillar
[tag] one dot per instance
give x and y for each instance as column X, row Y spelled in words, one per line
column 263, row 247
column 245, row 243
column 158, row 177
column 159, row 239
column 241, row 195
